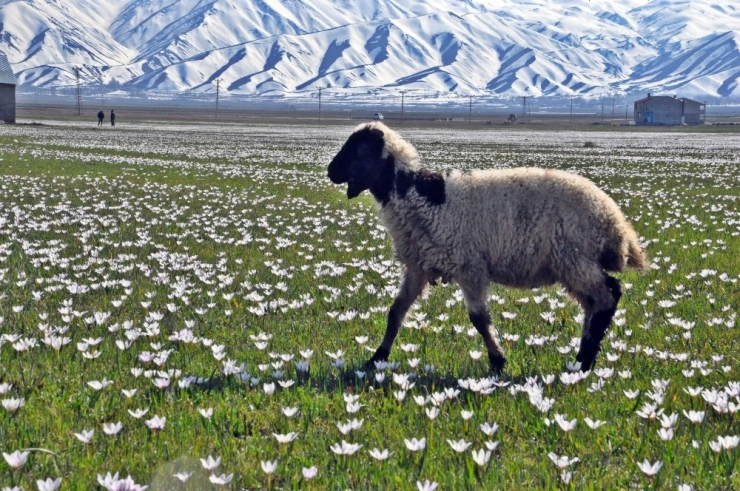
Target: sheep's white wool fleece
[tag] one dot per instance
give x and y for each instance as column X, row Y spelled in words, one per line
column 523, row 227
column 404, row 152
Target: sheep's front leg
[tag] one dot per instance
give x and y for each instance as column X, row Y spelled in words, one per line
column 476, row 300
column 411, row 287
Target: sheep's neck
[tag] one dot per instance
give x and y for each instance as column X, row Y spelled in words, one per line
column 399, row 181
column 385, row 182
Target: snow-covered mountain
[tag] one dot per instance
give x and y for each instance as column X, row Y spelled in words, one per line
column 510, row 47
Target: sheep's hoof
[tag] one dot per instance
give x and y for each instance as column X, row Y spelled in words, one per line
column 381, row 354
column 587, row 360
column 497, row 362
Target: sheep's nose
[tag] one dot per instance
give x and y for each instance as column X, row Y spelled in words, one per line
column 333, row 172
column 336, row 179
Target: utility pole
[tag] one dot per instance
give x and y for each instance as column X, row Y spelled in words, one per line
column 403, row 95
column 571, row 109
column 79, row 91
column 625, row 113
column 470, row 110
column 320, row 89
column 614, row 100
column 524, row 106
column 218, row 91
column 602, row 110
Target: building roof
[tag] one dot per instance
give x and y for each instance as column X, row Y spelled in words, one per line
column 686, row 99
column 6, row 72
column 652, row 98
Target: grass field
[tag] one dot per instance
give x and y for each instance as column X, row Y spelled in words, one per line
column 174, row 292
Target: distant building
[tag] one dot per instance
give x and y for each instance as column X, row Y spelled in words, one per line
column 7, row 90
column 668, row 111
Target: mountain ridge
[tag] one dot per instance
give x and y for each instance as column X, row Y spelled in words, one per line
column 510, row 47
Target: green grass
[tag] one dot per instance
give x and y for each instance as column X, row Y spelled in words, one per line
column 155, row 215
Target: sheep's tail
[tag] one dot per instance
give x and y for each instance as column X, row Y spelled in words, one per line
column 623, row 251
column 636, row 257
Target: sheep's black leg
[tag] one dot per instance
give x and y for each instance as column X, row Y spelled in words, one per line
column 411, row 287
column 600, row 308
column 476, row 300
column 482, row 322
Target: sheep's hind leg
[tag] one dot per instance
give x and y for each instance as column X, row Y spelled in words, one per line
column 411, row 287
column 599, row 305
column 476, row 301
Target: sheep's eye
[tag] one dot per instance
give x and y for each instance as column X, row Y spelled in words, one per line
column 363, row 150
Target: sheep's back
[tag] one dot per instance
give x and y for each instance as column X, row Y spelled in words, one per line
column 529, row 224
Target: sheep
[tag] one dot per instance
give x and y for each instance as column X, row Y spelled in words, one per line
column 522, row 228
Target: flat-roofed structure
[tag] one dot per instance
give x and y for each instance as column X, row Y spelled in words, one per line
column 7, row 90
column 669, row 111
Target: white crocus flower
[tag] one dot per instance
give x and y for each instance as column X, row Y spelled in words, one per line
column 426, row 485
column 459, row 446
column 666, row 434
column 564, row 423
column 138, row 413
column 289, row 412
column 223, row 479
column 17, row 459
column 650, row 469
column 286, row 438
column 183, row 476
column 156, row 423
column 49, row 484
column 694, row 416
column 85, row 436
column 112, row 428
column 489, row 429
column 594, row 424
column 380, row 454
column 210, row 463
column 415, row 445
column 481, row 457
column 345, row 448
column 562, row 462
column 12, row 405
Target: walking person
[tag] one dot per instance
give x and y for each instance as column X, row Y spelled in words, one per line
column 112, row 118
column 101, row 117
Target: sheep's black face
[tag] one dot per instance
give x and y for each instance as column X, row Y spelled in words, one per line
column 358, row 162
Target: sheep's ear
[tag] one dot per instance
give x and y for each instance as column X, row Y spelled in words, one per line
column 372, row 141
